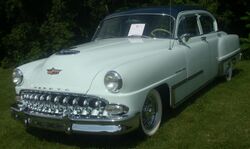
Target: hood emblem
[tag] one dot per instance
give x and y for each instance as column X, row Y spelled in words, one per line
column 53, row 71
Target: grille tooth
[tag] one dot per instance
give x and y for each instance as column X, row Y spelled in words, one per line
column 42, row 97
column 48, row 98
column 36, row 97
column 57, row 99
column 75, row 101
column 61, row 104
column 85, row 103
column 65, row 100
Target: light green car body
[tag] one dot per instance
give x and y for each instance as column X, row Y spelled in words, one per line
column 179, row 66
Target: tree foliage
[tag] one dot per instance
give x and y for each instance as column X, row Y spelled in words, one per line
column 31, row 30
column 246, row 41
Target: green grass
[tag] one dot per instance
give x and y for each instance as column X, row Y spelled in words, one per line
column 217, row 117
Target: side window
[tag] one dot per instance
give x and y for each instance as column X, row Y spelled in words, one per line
column 188, row 25
column 207, row 24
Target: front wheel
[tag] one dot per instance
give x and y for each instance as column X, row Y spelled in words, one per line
column 151, row 113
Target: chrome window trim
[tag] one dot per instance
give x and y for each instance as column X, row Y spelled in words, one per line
column 193, row 12
column 134, row 14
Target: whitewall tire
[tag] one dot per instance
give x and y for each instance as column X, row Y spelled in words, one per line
column 151, row 113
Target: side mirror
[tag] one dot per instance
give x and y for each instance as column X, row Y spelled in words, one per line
column 184, row 37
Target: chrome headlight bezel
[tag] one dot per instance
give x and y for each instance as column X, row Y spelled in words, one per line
column 113, row 81
column 17, row 77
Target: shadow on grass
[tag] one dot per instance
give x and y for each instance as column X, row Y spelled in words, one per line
column 130, row 140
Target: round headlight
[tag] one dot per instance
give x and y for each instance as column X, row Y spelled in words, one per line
column 113, row 81
column 17, row 77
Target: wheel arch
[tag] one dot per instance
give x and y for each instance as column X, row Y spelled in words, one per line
column 164, row 91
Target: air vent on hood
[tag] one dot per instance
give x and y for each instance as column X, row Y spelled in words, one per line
column 67, row 51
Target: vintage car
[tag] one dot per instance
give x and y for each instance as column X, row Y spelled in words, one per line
column 140, row 63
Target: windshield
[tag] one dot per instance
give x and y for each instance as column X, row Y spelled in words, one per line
column 146, row 26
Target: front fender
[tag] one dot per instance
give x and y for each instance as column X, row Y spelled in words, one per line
column 27, row 70
column 142, row 75
column 150, row 72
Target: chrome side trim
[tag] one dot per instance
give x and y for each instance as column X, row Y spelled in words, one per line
column 230, row 55
column 180, row 70
column 187, row 79
column 173, row 100
column 234, row 57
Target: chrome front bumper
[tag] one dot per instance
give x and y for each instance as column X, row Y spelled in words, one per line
column 116, row 126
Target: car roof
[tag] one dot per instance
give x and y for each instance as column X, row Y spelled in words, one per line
column 173, row 11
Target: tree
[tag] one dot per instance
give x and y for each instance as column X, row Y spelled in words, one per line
column 246, row 41
column 34, row 29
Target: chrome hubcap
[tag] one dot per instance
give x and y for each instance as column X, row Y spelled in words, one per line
column 149, row 113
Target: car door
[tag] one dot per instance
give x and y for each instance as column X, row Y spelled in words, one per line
column 210, row 35
column 197, row 56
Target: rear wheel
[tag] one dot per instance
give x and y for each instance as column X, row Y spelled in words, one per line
column 151, row 114
column 229, row 72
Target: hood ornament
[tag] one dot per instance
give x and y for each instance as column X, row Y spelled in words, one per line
column 53, row 71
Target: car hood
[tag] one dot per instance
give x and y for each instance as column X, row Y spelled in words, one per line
column 76, row 71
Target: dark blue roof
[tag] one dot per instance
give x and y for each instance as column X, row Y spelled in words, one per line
column 175, row 10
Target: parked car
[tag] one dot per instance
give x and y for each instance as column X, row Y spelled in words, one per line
column 139, row 63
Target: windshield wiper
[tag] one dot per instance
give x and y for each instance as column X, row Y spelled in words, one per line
column 139, row 36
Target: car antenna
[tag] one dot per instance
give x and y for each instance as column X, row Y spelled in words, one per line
column 170, row 9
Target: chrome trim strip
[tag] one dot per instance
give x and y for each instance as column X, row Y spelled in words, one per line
column 187, row 79
column 173, row 100
column 230, row 55
column 182, row 69
column 121, row 15
column 123, row 125
column 195, row 91
column 96, row 128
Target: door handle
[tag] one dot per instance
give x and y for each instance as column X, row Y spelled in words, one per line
column 204, row 38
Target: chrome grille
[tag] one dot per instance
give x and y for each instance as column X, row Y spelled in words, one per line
column 63, row 104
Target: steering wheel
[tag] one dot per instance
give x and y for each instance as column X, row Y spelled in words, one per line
column 159, row 30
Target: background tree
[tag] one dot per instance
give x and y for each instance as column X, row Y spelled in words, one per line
column 246, row 41
column 31, row 30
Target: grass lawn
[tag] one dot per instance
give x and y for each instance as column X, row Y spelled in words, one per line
column 216, row 117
